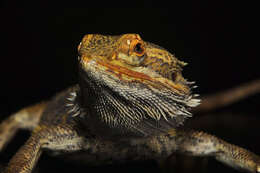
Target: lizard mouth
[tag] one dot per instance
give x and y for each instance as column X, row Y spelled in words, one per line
column 140, row 74
column 137, row 100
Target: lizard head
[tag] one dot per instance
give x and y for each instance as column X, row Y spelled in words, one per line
column 133, row 86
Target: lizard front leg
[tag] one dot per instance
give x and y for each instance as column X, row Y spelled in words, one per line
column 43, row 137
column 202, row 144
column 27, row 118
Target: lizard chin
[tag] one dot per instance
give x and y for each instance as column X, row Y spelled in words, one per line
column 130, row 108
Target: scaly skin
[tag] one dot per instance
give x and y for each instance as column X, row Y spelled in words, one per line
column 129, row 102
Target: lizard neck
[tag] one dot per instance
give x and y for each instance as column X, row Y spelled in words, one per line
column 90, row 98
column 114, row 107
column 108, row 114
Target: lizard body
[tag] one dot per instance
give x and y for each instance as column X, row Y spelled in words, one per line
column 128, row 105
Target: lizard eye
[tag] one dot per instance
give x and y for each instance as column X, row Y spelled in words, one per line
column 139, row 49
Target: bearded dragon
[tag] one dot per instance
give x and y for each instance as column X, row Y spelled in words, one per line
column 129, row 103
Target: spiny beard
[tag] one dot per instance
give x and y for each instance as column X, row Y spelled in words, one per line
column 134, row 107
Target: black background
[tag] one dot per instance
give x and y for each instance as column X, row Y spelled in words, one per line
column 218, row 40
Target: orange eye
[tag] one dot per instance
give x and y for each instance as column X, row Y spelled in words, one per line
column 139, row 49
